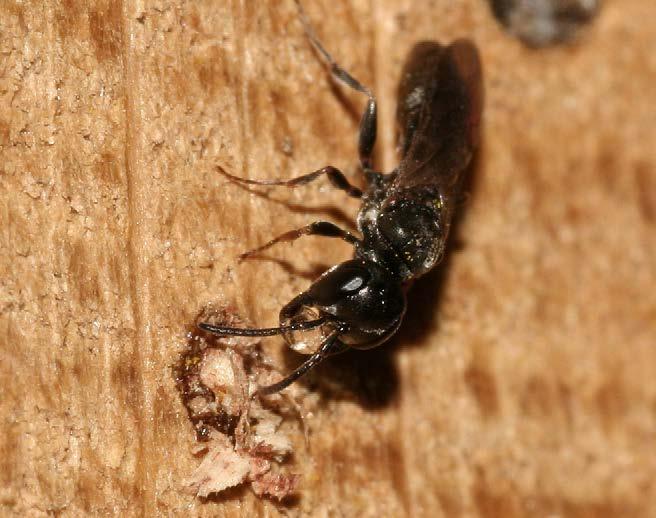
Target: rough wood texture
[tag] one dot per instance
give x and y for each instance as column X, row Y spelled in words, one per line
column 524, row 380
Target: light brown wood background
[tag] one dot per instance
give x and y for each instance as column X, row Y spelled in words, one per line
column 524, row 380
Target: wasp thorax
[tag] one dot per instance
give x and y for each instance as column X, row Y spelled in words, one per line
column 413, row 231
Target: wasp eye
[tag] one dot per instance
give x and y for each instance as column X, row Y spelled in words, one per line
column 353, row 284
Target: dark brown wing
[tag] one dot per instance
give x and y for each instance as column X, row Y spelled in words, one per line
column 440, row 100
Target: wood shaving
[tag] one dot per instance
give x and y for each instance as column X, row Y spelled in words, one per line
column 241, row 440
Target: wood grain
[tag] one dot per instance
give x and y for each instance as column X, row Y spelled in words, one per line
column 523, row 382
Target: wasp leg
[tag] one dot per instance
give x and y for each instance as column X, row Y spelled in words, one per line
column 318, row 228
column 368, row 122
column 329, row 347
column 336, row 177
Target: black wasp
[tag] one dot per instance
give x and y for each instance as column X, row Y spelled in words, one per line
column 405, row 215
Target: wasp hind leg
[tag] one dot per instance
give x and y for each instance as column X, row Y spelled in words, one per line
column 368, row 121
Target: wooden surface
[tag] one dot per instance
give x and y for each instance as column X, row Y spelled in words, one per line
column 523, row 382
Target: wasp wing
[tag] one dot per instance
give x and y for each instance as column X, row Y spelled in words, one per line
column 440, row 101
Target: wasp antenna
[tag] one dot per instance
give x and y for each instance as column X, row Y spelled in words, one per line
column 261, row 331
